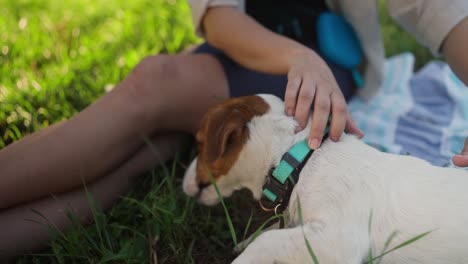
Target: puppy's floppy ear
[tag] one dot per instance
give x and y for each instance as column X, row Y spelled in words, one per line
column 226, row 134
column 223, row 133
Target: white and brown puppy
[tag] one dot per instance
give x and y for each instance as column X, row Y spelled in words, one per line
column 341, row 183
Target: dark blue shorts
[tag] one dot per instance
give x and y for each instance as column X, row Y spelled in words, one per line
column 243, row 81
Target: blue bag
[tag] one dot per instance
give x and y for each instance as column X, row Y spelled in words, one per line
column 338, row 43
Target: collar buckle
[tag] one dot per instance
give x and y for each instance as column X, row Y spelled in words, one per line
column 281, row 180
column 267, row 209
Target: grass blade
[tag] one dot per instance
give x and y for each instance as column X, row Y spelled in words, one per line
column 249, row 222
column 406, row 243
column 94, row 212
column 311, row 251
column 369, row 230
column 190, row 252
column 262, row 226
column 387, row 244
column 299, row 211
column 228, row 217
column 53, row 230
column 309, row 248
column 157, row 154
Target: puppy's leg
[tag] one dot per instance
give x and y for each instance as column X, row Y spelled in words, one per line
column 330, row 245
column 243, row 244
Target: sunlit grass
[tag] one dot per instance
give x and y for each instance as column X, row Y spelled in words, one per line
column 57, row 57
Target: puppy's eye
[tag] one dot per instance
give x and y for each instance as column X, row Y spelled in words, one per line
column 202, row 185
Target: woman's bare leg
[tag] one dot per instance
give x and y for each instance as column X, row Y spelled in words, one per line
column 162, row 93
column 23, row 231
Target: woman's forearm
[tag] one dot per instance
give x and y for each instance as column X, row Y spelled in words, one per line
column 455, row 49
column 249, row 43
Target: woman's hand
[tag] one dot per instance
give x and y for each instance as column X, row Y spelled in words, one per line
column 462, row 159
column 310, row 81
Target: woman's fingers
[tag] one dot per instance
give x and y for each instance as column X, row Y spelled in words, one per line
column 320, row 117
column 304, row 101
column 290, row 97
column 339, row 116
column 462, row 159
column 352, row 128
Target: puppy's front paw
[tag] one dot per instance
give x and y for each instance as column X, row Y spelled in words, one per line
column 241, row 246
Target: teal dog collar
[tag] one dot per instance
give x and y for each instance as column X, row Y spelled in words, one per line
column 281, row 180
column 290, row 162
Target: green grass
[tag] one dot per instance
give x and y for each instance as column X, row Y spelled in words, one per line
column 57, row 57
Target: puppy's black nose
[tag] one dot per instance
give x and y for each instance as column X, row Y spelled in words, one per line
column 202, row 185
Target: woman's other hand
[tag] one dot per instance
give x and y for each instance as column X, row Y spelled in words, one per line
column 462, row 159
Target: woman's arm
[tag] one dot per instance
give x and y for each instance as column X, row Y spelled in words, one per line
column 455, row 49
column 309, row 78
column 249, row 43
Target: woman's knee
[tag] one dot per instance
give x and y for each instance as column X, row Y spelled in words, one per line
column 155, row 67
column 150, row 78
column 148, row 85
column 162, row 89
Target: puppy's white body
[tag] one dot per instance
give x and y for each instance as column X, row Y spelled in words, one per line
column 341, row 185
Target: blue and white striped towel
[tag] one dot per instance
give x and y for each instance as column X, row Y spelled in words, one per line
column 423, row 114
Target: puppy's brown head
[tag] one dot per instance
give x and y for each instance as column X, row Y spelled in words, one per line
column 222, row 135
